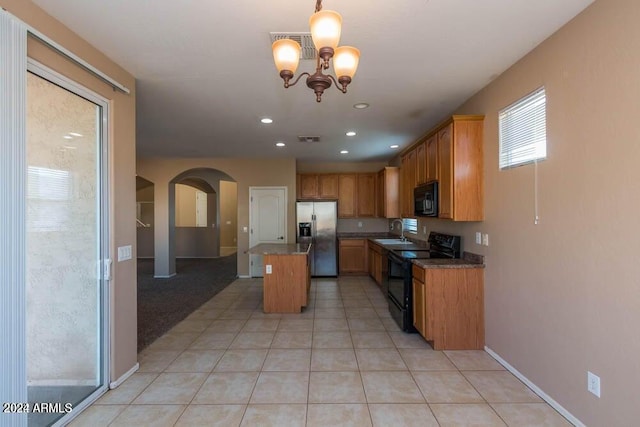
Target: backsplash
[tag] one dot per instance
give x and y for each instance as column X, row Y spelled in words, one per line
column 369, row 225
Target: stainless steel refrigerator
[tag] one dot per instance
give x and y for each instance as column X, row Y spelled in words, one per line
column 317, row 223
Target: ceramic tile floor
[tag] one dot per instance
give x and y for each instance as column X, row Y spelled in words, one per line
column 343, row 361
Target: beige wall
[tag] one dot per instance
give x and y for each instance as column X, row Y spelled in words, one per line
column 563, row 297
column 185, row 206
column 246, row 173
column 228, row 213
column 122, row 167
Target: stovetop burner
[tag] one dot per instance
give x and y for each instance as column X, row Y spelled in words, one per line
column 421, row 254
column 440, row 246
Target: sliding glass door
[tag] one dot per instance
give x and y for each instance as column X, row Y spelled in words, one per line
column 66, row 244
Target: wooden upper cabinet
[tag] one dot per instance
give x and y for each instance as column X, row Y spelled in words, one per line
column 421, row 163
column 317, row 186
column 445, row 162
column 308, row 186
column 452, row 154
column 460, row 169
column 408, row 182
column 366, row 195
column 431, row 145
column 347, row 195
column 388, row 193
column 328, row 186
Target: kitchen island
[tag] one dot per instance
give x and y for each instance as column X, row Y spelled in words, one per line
column 286, row 276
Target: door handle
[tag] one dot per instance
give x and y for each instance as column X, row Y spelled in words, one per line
column 281, row 238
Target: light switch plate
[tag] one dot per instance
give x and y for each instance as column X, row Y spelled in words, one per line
column 245, row 229
column 593, row 383
column 268, row 268
column 478, row 238
column 124, row 253
column 485, row 239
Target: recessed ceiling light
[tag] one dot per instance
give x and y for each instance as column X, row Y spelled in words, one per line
column 344, row 152
column 280, row 144
column 67, row 137
column 75, row 134
column 360, row 105
column 266, row 120
column 394, row 146
column 351, row 133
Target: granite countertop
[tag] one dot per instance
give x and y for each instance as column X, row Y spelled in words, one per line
column 280, row 249
column 468, row 260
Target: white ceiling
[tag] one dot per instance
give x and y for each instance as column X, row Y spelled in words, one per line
column 205, row 74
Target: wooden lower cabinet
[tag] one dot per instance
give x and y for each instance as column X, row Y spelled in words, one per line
column 377, row 262
column 353, row 257
column 448, row 307
column 286, row 288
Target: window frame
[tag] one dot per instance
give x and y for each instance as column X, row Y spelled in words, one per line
column 528, row 126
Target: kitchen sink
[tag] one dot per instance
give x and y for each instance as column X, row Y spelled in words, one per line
column 393, row 242
column 397, row 244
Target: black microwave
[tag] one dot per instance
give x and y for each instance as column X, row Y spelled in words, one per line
column 425, row 199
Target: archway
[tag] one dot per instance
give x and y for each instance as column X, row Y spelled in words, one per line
column 191, row 234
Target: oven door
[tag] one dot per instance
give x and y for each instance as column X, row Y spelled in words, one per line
column 396, row 275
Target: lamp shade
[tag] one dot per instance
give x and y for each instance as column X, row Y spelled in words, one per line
column 325, row 28
column 345, row 61
column 286, row 54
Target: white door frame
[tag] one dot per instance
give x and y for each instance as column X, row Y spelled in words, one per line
column 104, row 269
column 251, row 219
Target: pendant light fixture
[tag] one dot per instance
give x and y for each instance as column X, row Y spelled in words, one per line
column 325, row 28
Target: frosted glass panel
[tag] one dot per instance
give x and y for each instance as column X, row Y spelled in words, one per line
column 63, row 245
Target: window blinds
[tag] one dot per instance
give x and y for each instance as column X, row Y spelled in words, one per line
column 410, row 225
column 523, row 131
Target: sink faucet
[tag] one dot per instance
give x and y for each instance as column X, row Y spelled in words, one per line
column 401, row 228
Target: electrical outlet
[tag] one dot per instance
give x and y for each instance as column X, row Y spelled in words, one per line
column 359, row 224
column 424, row 229
column 245, row 229
column 485, row 239
column 478, row 238
column 268, row 268
column 593, row 383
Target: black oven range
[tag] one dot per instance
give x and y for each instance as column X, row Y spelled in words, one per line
column 399, row 275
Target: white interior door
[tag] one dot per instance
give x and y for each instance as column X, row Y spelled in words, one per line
column 267, row 221
column 201, row 209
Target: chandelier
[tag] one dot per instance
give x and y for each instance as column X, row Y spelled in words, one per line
column 325, row 31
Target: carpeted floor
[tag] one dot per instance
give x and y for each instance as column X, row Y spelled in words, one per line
column 162, row 303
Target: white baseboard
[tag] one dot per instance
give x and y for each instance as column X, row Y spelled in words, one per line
column 164, row 277
column 537, row 390
column 124, row 377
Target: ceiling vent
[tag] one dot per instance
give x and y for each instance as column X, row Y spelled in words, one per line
column 308, row 50
column 306, row 138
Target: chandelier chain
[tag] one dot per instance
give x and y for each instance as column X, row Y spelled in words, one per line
column 318, row 5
